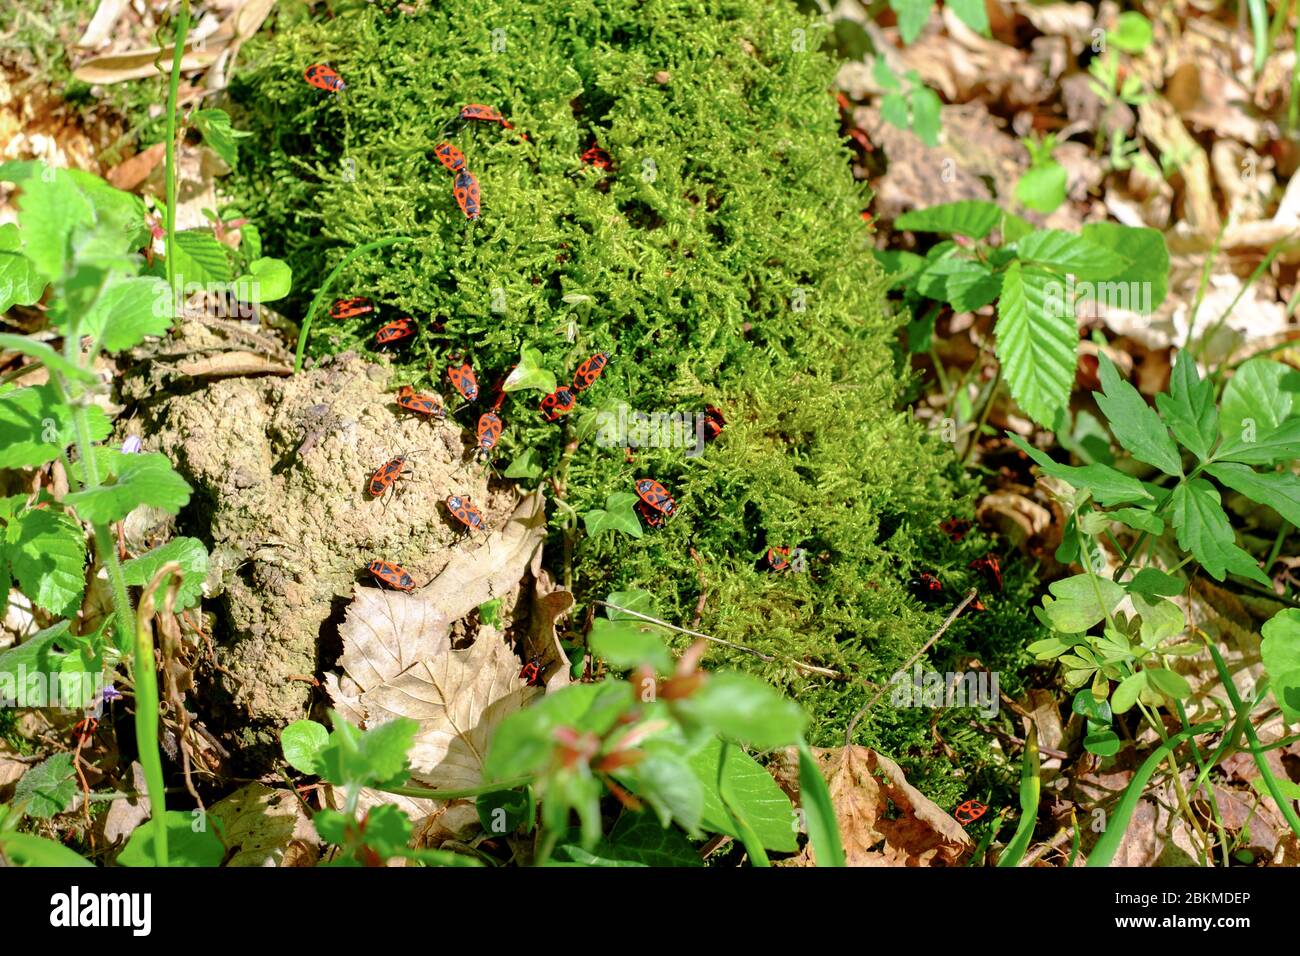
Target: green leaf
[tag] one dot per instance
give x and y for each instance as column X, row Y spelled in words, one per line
column 127, row 311
column 504, row 811
column 1170, row 683
column 119, row 215
column 1071, row 253
column 193, row 558
column 1204, row 530
column 744, row 708
column 884, row 76
column 47, row 551
column 1126, row 694
column 912, row 16
column 214, row 125
column 1042, row 188
column 23, row 849
column 1279, row 490
column 751, row 790
column 141, row 479
column 201, row 262
column 48, row 788
column 895, row 111
column 1139, row 518
column 50, row 210
column 628, row 644
column 36, row 655
column 526, row 465
column 1280, row 652
column 636, row 840
column 1143, row 285
column 1189, row 409
column 642, row 602
column 21, row 283
column 1081, row 601
column 1282, row 443
column 666, row 782
column 190, row 842
column 1152, row 582
column 266, row 281
column 966, row 284
column 1132, row 32
column 1259, row 397
column 1107, row 485
column 1135, row 424
column 926, row 114
column 1015, row 228
column 35, row 426
column 971, row 13
column 1088, row 706
column 1030, row 794
column 530, row 372
column 617, row 515
column 819, row 811
column 364, row 758
column 1037, row 341
column 968, row 217
column 51, row 359
column 1101, row 741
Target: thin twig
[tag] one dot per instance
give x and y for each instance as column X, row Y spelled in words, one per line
column 811, row 668
column 970, row 596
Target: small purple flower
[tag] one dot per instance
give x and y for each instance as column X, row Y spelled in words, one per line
column 111, row 694
column 132, row 445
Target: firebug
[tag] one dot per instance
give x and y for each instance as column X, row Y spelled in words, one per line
column 559, row 402
column 428, row 405
column 655, row 495
column 589, row 371
column 323, row 78
column 969, row 812
column 463, row 380
column 486, row 114
column 532, row 673
column 464, row 512
column 394, row 332
column 391, row 574
column 990, row 568
column 466, row 192
column 450, row 156
column 349, row 308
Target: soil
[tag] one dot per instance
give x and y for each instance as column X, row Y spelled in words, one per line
column 280, row 468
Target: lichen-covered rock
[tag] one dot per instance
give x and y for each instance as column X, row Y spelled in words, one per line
column 280, row 468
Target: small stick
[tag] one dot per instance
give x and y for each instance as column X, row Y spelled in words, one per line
column 970, row 596
column 717, row 640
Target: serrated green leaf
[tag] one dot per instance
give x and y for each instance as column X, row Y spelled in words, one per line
column 1280, row 444
column 21, row 283
column 1037, row 341
column 1135, row 424
column 35, row 427
column 47, row 552
column 1279, row 490
column 1189, row 409
column 127, row 311
column 201, row 262
column 1143, row 285
column 1259, row 397
column 1058, row 249
column 141, row 479
column 1204, row 529
column 50, row 210
column 1107, row 485
column 48, row 788
column 193, row 559
column 214, row 126
column 965, row 284
column 975, row 218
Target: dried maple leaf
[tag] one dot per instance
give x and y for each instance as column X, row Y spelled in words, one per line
column 863, row 786
column 259, row 825
column 459, row 698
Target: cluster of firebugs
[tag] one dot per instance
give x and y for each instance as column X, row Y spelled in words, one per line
column 654, row 503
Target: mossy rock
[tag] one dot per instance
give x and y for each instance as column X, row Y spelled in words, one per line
column 721, row 260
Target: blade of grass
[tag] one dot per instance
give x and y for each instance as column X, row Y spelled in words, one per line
column 818, row 811
column 1104, row 850
column 1030, row 791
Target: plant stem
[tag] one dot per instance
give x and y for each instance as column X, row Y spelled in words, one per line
column 325, row 286
column 431, row 794
column 178, row 53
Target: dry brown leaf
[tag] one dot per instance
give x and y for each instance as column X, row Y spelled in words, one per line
column 1161, row 125
column 550, row 603
column 259, row 824
column 866, row 789
column 385, row 632
column 128, row 813
column 459, row 698
column 131, row 173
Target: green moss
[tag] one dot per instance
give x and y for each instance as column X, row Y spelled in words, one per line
column 723, row 261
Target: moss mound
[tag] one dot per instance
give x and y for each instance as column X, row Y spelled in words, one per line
column 720, row 260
